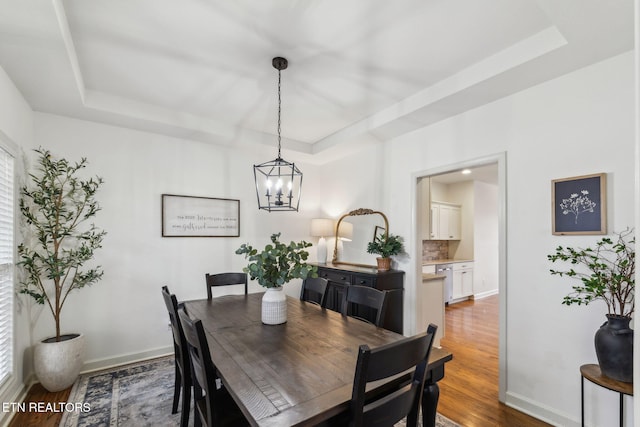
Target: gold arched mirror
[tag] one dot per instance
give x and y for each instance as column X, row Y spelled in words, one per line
column 354, row 231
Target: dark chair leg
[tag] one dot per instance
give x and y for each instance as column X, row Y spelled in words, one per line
column 412, row 419
column 176, row 389
column 186, row 403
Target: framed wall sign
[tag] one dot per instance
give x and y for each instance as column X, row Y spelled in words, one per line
column 189, row 216
column 579, row 205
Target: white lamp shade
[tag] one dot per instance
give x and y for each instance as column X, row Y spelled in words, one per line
column 346, row 231
column 322, row 227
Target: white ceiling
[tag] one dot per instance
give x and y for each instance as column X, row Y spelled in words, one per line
column 359, row 70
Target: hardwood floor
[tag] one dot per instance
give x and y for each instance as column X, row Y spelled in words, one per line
column 469, row 390
column 37, row 393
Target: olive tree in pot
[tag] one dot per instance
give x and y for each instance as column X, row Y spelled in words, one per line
column 277, row 264
column 58, row 242
column 606, row 273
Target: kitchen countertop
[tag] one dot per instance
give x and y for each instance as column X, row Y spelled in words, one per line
column 431, row 276
column 445, row 261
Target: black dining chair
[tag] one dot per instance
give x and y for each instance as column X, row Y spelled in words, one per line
column 387, row 361
column 213, row 406
column 182, row 365
column 226, row 279
column 314, row 290
column 365, row 303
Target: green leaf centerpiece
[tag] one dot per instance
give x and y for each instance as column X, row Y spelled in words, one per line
column 277, row 263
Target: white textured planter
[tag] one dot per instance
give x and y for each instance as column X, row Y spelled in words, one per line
column 274, row 306
column 57, row 364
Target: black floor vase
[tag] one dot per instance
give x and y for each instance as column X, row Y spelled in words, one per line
column 614, row 348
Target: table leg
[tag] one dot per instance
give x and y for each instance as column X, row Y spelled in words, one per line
column 430, row 398
column 621, row 408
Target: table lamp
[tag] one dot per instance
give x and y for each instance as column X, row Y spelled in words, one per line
column 321, row 227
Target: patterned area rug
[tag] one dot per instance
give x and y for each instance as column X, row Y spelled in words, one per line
column 139, row 394
column 135, row 395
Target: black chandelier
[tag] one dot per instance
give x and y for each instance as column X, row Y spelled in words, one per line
column 278, row 182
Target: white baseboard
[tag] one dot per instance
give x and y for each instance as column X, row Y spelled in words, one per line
column 485, row 294
column 539, row 411
column 96, row 365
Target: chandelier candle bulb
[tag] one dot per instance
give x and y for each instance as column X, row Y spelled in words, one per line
column 268, row 185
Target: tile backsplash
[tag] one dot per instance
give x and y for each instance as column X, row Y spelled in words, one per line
column 435, row 249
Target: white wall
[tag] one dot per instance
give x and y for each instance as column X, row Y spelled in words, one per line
column 16, row 131
column 462, row 194
column 485, row 242
column 636, row 341
column 439, row 192
column 123, row 315
column 578, row 124
column 353, row 182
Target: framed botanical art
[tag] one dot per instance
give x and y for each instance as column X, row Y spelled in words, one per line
column 579, row 205
column 189, row 216
column 378, row 231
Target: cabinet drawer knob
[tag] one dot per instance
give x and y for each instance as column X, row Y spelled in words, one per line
column 362, row 282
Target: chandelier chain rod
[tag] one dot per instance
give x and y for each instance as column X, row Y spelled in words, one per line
column 279, row 114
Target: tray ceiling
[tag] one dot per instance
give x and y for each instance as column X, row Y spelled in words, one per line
column 359, row 71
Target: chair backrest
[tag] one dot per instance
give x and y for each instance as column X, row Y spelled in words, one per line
column 202, row 368
column 225, row 279
column 179, row 341
column 314, row 290
column 384, row 362
column 357, row 299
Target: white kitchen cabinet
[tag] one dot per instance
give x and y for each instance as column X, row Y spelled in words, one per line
column 462, row 280
column 445, row 221
column 435, row 222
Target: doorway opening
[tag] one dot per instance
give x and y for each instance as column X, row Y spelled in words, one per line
column 479, row 196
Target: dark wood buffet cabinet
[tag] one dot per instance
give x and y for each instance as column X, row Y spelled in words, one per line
column 340, row 276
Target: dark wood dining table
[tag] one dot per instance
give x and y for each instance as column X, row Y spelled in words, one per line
column 300, row 372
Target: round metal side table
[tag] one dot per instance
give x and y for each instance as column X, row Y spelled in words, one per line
column 592, row 373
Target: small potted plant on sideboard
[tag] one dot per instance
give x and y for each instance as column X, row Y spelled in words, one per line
column 385, row 247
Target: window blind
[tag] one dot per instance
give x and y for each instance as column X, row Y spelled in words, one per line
column 6, row 265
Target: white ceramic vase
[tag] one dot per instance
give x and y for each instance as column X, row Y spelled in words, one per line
column 274, row 306
column 57, row 364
